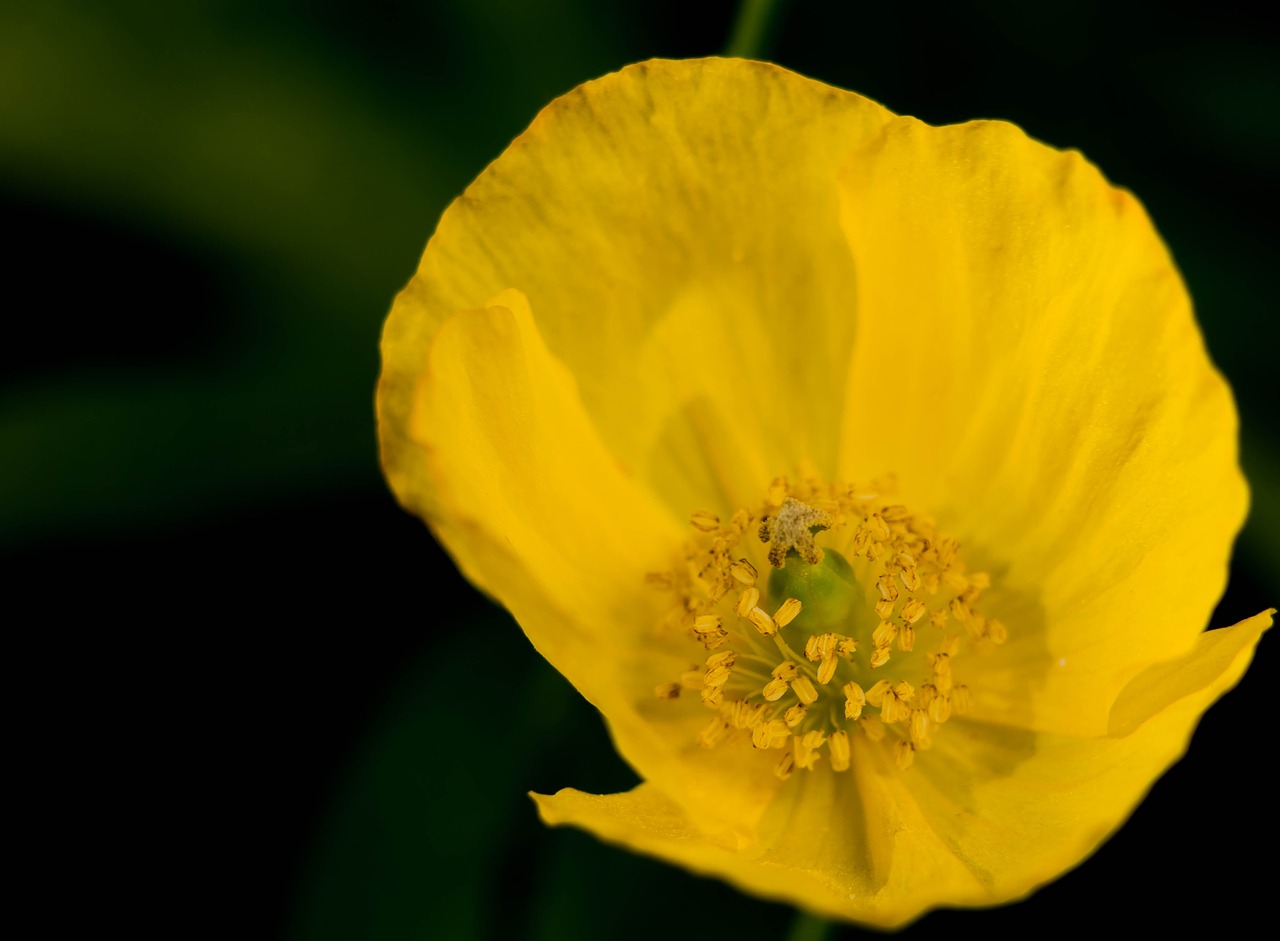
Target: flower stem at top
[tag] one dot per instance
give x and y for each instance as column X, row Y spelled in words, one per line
column 750, row 37
column 807, row 927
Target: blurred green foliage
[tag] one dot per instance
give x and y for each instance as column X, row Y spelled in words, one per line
column 212, row 204
column 301, row 153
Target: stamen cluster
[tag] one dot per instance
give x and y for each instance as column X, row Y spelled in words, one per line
column 799, row 662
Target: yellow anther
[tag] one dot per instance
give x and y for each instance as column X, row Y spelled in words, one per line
column 879, row 657
column 905, row 559
column 703, row 521
column 888, row 590
column 786, row 764
column 667, row 690
column 775, row 689
column 904, row 754
column 876, row 694
column 846, row 646
column 792, row 527
column 712, row 696
column 795, row 715
column 712, row 640
column 743, row 715
column 854, row 698
column 961, row 701
column 827, row 669
column 786, row 670
column 907, row 639
column 913, row 611
column 746, row 601
column 725, row 658
column 885, row 634
column 877, row 527
column 895, row 514
column 806, row 749
column 712, row 733
column 954, row 581
column 939, row 619
column 707, row 629
column 997, row 632
column 939, row 709
column 802, row 686
column 814, row 739
column 838, row 747
column 872, row 727
column 891, row 710
column 943, row 682
column 821, row 646
column 941, row 664
column 763, row 623
column 716, row 677
column 919, row 726
column 771, row 734
column 692, row 678
column 787, row 612
column 980, row 580
column 950, row 644
column 744, row 572
column 959, row 610
column 884, row 609
column 893, row 706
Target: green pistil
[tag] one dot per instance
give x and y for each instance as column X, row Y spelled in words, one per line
column 828, row 591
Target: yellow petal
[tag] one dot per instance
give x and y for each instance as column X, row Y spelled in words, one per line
column 646, row 821
column 1028, row 363
column 502, row 442
column 695, row 293
column 671, row 224
column 820, row 852
column 536, row 512
column 1018, row 808
column 983, row 818
column 1215, row 665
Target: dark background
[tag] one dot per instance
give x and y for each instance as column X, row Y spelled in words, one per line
column 249, row 693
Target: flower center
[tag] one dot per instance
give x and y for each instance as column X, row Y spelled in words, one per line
column 871, row 607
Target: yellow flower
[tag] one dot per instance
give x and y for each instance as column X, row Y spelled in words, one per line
column 870, row 478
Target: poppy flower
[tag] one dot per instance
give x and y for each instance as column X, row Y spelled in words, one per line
column 870, row 478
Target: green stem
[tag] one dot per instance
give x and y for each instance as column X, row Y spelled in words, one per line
column 785, row 649
column 808, row 927
column 750, row 30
